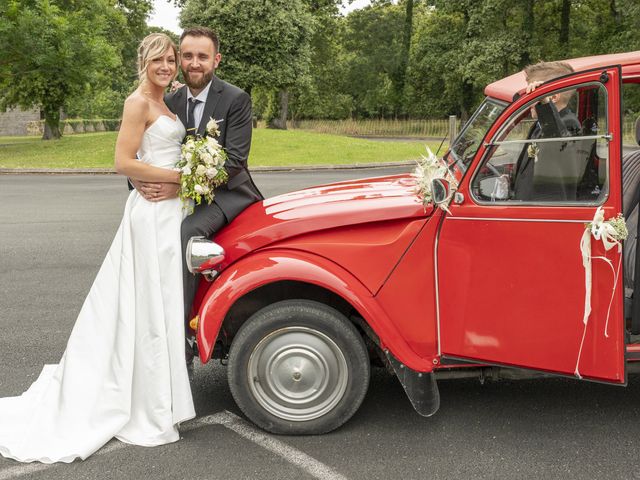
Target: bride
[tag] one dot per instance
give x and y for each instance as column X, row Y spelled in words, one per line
column 123, row 373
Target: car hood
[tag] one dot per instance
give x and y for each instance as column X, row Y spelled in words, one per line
column 319, row 208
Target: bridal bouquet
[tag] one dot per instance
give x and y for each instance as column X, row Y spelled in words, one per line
column 202, row 166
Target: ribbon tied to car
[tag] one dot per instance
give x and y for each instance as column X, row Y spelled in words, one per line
column 611, row 233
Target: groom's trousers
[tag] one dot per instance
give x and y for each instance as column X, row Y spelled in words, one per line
column 204, row 221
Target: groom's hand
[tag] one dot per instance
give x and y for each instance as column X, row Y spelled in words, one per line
column 156, row 192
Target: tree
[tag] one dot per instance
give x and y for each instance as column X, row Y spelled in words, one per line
column 51, row 52
column 359, row 65
column 372, row 39
column 264, row 44
column 462, row 45
column 322, row 93
column 400, row 75
column 565, row 23
column 126, row 24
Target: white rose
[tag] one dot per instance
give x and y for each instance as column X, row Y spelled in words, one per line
column 207, row 158
column 211, row 172
column 201, row 169
column 213, row 143
column 198, row 189
column 190, row 145
column 186, row 170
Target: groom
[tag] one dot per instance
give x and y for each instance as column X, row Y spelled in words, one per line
column 204, row 97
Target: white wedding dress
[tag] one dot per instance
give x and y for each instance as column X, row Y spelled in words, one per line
column 123, row 373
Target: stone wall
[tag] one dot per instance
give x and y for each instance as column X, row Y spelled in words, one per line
column 14, row 122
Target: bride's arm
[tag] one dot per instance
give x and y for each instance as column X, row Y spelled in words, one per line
column 134, row 119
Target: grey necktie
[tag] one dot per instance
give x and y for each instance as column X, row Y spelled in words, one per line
column 191, row 124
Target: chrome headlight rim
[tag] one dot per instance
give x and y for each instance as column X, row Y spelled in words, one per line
column 211, row 251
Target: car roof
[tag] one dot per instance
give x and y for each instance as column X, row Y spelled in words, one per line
column 506, row 88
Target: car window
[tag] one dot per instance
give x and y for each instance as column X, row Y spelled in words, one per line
column 466, row 144
column 631, row 115
column 554, row 150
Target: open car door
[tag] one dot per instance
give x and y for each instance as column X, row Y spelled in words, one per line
column 510, row 272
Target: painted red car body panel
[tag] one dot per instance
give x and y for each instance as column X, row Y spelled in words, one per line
column 355, row 246
column 490, row 284
column 265, row 266
column 320, row 208
column 514, row 320
column 409, row 298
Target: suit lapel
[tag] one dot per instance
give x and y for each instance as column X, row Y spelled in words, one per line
column 180, row 105
column 210, row 105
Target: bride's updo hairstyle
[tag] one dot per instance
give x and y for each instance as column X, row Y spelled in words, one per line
column 154, row 46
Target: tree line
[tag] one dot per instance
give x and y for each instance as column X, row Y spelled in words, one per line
column 303, row 59
column 400, row 59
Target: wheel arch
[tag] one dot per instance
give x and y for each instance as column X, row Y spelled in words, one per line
column 279, row 290
column 273, row 275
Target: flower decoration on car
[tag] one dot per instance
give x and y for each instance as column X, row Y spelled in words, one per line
column 611, row 233
column 429, row 168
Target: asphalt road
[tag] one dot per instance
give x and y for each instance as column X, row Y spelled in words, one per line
column 54, row 232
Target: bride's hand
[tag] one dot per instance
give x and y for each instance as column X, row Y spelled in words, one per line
column 156, row 192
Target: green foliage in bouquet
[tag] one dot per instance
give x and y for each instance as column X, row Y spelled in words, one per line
column 202, row 169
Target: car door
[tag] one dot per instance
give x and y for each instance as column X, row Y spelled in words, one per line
column 511, row 281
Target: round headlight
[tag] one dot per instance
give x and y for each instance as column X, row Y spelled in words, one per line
column 203, row 255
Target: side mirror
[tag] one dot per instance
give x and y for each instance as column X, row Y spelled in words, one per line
column 441, row 191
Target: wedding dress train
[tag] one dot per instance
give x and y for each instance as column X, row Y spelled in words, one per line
column 123, row 373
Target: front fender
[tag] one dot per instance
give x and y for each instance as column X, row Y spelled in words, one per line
column 268, row 266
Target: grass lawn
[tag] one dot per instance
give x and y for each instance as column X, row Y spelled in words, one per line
column 269, row 148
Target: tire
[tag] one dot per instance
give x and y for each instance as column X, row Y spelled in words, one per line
column 298, row 367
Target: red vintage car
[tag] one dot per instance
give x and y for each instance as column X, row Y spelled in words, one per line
column 307, row 289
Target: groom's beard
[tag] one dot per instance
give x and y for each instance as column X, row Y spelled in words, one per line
column 198, row 84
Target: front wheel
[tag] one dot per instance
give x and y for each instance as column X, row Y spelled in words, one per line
column 298, row 367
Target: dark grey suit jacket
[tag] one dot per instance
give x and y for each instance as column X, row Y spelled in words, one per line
column 232, row 105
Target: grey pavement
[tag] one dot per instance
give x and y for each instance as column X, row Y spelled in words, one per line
column 54, row 232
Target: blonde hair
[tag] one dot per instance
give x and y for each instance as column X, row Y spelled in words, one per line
column 153, row 46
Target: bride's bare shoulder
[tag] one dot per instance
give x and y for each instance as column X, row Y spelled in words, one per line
column 136, row 105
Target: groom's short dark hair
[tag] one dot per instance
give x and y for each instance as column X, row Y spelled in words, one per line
column 202, row 32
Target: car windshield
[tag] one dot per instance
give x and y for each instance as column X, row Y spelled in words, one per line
column 468, row 141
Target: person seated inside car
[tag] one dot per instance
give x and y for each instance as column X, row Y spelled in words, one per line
column 542, row 168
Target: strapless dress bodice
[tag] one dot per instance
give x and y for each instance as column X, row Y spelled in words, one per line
column 161, row 142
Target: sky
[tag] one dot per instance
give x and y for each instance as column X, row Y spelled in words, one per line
column 166, row 14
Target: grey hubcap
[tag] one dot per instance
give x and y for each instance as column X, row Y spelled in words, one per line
column 297, row 373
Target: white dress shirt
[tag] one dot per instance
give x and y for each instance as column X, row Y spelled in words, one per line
column 199, row 108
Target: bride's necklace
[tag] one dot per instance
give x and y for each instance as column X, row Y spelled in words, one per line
column 147, row 94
